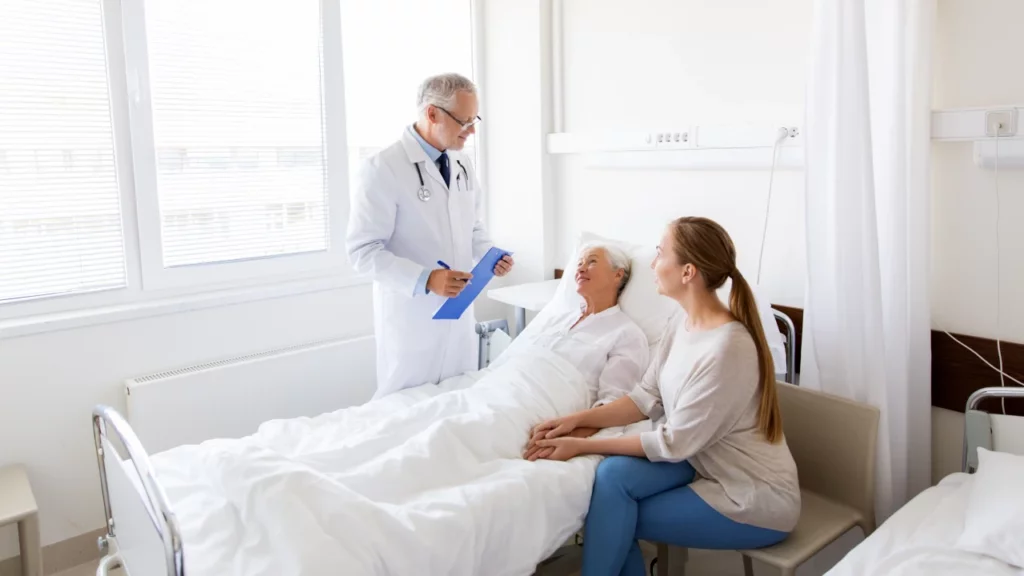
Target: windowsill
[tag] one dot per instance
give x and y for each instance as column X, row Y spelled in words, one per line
column 42, row 323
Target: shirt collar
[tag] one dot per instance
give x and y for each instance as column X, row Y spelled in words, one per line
column 602, row 313
column 432, row 153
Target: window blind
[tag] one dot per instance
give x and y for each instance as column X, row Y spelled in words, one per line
column 238, row 128
column 60, row 221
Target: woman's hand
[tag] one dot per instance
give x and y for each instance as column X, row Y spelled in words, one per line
column 560, row 449
column 535, row 452
column 553, row 428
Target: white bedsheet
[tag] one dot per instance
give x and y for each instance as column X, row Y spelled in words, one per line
column 920, row 539
column 429, row 481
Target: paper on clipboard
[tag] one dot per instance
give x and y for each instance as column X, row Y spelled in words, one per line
column 453, row 308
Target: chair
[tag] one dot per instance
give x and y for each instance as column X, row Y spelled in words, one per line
column 833, row 441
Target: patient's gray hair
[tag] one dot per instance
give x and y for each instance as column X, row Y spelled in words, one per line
column 440, row 91
column 617, row 257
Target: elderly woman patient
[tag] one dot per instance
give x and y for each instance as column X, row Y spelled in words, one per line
column 599, row 339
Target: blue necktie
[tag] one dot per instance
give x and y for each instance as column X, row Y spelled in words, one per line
column 446, row 171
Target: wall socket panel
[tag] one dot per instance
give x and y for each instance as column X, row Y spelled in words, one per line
column 675, row 140
column 1001, row 123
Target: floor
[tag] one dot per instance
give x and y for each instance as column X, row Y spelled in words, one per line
column 700, row 562
column 82, row 570
column 87, row 569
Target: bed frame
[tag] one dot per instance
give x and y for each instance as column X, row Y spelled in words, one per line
column 980, row 426
column 141, row 528
column 786, row 321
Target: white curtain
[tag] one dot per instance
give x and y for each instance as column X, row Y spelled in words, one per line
column 866, row 325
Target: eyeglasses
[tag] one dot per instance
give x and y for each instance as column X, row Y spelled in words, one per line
column 465, row 125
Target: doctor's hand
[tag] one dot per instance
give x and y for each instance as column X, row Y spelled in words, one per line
column 504, row 266
column 447, row 283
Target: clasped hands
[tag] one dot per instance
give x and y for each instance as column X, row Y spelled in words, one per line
column 558, row 439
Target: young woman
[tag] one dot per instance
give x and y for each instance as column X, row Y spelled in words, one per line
column 715, row 472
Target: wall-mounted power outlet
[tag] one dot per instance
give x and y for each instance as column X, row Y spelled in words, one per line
column 1001, row 123
column 670, row 140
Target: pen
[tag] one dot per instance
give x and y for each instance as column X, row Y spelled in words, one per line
column 447, row 267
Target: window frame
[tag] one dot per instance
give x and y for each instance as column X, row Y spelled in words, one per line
column 140, row 112
column 152, row 290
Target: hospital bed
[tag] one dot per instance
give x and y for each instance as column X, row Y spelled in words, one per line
column 144, row 534
column 938, row 531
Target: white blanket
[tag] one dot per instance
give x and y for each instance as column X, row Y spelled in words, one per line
column 427, row 482
column 920, row 539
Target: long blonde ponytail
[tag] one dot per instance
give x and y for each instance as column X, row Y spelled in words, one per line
column 744, row 307
column 705, row 244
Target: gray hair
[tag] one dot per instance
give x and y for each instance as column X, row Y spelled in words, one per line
column 440, row 91
column 617, row 258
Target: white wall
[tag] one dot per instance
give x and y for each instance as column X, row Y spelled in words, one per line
column 666, row 64
column 51, row 382
column 669, row 63
column 516, row 96
column 975, row 41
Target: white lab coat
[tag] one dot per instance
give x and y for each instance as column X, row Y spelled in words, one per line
column 393, row 236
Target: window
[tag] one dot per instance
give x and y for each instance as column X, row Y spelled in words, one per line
column 60, row 213
column 380, row 92
column 153, row 148
column 237, row 119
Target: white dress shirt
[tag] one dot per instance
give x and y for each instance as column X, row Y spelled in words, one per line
column 608, row 348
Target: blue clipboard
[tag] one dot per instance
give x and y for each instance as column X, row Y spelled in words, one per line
column 453, row 308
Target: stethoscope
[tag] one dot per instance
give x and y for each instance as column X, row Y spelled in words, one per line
column 424, row 193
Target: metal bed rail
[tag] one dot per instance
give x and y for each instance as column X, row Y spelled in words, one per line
column 978, row 424
column 484, row 331
column 790, row 344
column 106, row 420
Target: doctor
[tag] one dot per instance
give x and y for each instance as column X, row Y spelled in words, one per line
column 415, row 229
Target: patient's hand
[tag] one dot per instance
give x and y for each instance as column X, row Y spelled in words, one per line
column 535, row 452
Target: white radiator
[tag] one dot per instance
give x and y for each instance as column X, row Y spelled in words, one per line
column 232, row 397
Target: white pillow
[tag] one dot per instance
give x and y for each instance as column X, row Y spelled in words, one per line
column 994, row 521
column 640, row 300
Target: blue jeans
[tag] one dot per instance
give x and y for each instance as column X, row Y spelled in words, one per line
column 636, row 499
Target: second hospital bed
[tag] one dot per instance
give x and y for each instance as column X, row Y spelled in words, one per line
column 937, row 533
